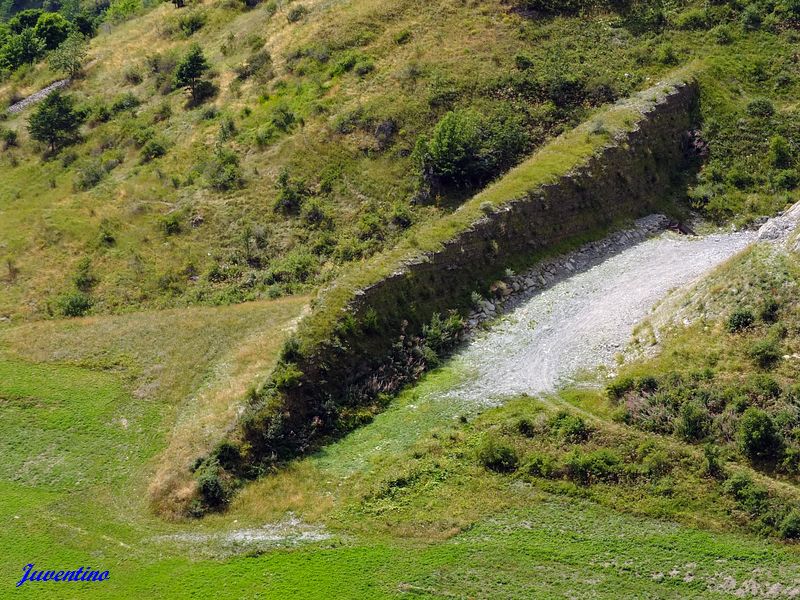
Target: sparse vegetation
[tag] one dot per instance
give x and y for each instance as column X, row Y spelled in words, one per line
column 319, row 135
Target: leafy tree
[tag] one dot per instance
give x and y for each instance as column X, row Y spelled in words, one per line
column 52, row 29
column 55, row 121
column 70, row 55
column 25, row 19
column 190, row 70
column 19, row 49
column 467, row 148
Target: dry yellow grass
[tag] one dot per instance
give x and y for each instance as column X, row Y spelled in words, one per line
column 196, row 363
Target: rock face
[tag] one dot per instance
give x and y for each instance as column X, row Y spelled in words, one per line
column 625, row 179
column 780, row 228
column 40, row 95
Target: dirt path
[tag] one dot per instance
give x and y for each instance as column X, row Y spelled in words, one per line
column 582, row 322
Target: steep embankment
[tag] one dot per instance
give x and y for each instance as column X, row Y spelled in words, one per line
column 619, row 165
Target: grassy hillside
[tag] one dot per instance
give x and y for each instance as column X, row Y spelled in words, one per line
column 312, row 152
column 404, row 505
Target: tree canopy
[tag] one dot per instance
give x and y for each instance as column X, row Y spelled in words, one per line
column 55, row 121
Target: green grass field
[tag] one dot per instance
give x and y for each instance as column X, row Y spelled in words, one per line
column 88, row 410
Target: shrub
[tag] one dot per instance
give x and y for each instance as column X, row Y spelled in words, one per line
column 171, row 223
column 497, row 456
column 694, row 18
column 74, row 304
column 223, row 172
column 619, row 387
column 694, row 422
column 132, row 75
column 465, row 149
column 126, row 101
column 760, row 107
column 665, row 54
column 258, row 65
column 786, row 180
column 541, row 465
column 291, row 193
column 722, row 34
column 780, row 153
column 8, row 137
column 89, row 176
column 153, row 149
column 211, row 486
column 768, row 312
column 571, row 428
column 441, row 334
column 295, row 267
column 291, row 350
column 756, row 435
column 191, row 23
column 713, row 466
column 84, row 280
column 751, row 18
column 765, row 353
column 748, row 495
column 600, row 465
column 228, row 455
column 740, row 320
column 296, row 13
column 789, row 528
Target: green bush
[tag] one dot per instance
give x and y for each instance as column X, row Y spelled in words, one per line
column 541, row 465
column 442, row 334
column 466, row 149
column 497, row 456
column 89, row 175
column 789, row 528
column 74, row 304
column 787, row 179
column 292, row 193
column 600, row 465
column 223, row 172
column 8, row 137
column 722, row 34
column 152, row 150
column 191, row 23
column 569, row 427
column 213, row 490
column 768, row 312
column 757, row 437
column 693, row 423
column 296, row 13
column 748, row 495
column 765, row 353
column 780, row 153
column 751, row 18
column 740, row 320
column 228, row 455
column 760, row 107
column 84, row 279
column 171, row 224
column 693, row 18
